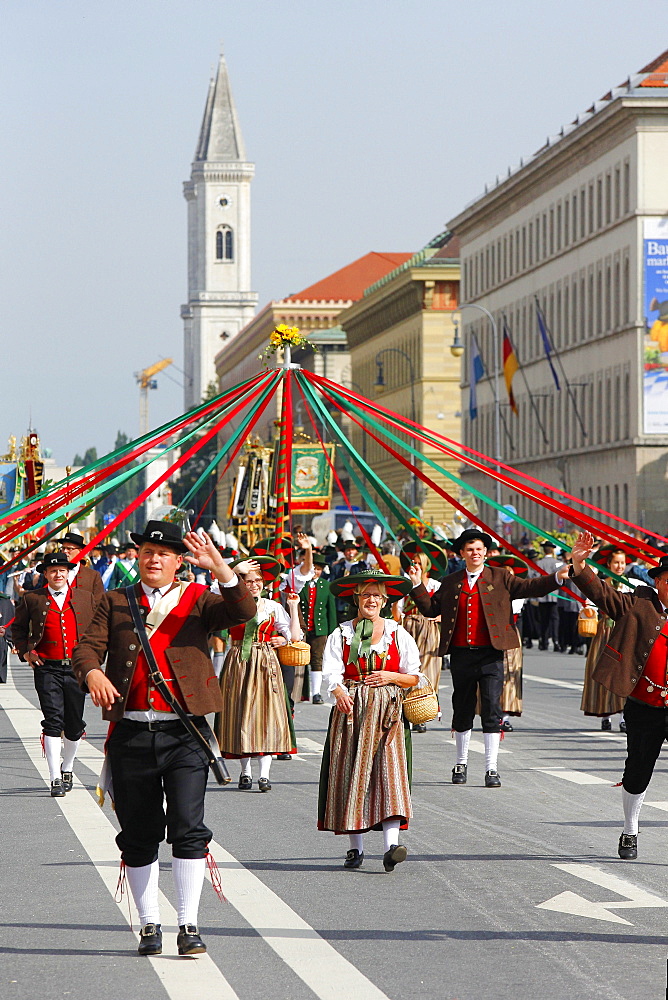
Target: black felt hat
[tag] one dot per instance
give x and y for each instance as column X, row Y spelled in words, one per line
column 658, row 570
column 166, row 533
column 71, row 538
column 54, row 559
column 473, row 535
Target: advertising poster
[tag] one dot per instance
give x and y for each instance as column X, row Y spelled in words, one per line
column 655, row 306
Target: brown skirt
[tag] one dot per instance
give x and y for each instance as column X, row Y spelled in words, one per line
column 427, row 635
column 367, row 775
column 254, row 718
column 511, row 697
column 597, row 700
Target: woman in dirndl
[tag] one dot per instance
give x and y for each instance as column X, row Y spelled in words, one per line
column 367, row 664
column 597, row 701
column 255, row 720
column 425, row 631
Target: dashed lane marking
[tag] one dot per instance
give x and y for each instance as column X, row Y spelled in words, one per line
column 477, row 746
column 614, row 737
column 574, row 686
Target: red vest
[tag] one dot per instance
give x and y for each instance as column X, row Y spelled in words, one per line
column 60, row 631
column 265, row 630
column 312, row 594
column 655, row 673
column 470, row 626
column 355, row 672
column 142, row 696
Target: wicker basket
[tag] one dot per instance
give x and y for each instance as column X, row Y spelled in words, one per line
column 421, row 705
column 587, row 621
column 295, row 654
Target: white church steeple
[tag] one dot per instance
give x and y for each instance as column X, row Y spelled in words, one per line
column 220, row 302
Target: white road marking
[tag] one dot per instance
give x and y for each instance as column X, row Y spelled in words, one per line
column 320, row 966
column 304, row 743
column 181, row 980
column 658, row 805
column 571, row 902
column 621, row 738
column 577, row 777
column 551, row 680
column 477, row 746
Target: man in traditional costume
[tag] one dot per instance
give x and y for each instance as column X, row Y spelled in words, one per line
column 152, row 755
column 365, row 773
column 348, row 565
column 475, row 605
column 319, row 613
column 633, row 664
column 47, row 625
column 80, row 575
column 126, row 569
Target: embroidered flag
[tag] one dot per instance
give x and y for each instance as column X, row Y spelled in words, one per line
column 477, row 371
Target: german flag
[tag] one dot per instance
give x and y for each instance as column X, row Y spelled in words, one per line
column 510, row 366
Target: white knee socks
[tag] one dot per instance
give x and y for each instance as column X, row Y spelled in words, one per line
column 265, row 765
column 218, row 659
column 356, row 842
column 316, row 681
column 462, row 740
column 631, row 804
column 391, row 833
column 245, row 766
column 70, row 748
column 143, row 884
column 491, row 750
column 52, row 753
column 188, row 879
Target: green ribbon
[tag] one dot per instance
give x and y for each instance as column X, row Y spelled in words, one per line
column 361, row 644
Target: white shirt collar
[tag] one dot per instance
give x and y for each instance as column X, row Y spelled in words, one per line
column 149, row 591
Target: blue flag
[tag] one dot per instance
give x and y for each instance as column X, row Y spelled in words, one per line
column 477, row 370
column 546, row 342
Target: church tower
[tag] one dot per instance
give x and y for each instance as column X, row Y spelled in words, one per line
column 219, row 249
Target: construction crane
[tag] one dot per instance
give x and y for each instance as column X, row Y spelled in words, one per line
column 146, row 381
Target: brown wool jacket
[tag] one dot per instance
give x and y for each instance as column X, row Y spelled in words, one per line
column 89, row 579
column 28, row 624
column 498, row 589
column 639, row 617
column 111, row 634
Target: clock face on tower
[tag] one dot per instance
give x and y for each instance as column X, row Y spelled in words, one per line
column 225, row 201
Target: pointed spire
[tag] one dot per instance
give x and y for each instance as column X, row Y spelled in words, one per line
column 220, row 137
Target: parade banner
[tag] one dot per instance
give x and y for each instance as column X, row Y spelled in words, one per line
column 311, row 477
column 10, row 486
column 655, row 305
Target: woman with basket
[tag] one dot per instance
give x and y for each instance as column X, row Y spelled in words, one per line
column 597, row 701
column 369, row 663
column 255, row 720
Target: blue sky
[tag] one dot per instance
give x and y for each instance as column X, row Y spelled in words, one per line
column 371, row 123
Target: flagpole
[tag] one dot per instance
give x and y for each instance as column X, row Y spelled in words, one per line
column 456, row 349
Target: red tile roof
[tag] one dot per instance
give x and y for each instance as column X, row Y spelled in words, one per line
column 449, row 250
column 658, row 66
column 349, row 282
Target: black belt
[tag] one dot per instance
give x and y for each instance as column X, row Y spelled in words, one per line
column 59, row 663
column 158, row 726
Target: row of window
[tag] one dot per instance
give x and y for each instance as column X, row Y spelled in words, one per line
column 549, row 424
column 592, row 302
column 576, row 217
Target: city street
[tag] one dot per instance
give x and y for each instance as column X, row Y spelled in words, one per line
column 507, row 893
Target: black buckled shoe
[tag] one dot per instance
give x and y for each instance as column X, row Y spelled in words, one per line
column 283, row 756
column 67, row 779
column 459, row 774
column 507, row 726
column 150, row 940
column 264, row 784
column 394, row 857
column 188, row 940
column 317, row 699
column 419, row 727
column 245, row 782
column 492, row 779
column 354, row 859
column 606, row 725
column 58, row 790
column 628, row 846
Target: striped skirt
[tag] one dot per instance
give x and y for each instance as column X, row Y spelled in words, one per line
column 255, row 718
column 364, row 777
column 597, row 700
column 511, row 697
column 427, row 635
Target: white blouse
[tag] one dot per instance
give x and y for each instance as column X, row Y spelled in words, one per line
column 332, row 659
column 267, row 608
column 431, row 586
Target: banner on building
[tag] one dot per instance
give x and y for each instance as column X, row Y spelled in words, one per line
column 655, row 306
column 10, row 486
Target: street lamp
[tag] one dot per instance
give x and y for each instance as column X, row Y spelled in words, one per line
column 457, row 349
column 380, row 385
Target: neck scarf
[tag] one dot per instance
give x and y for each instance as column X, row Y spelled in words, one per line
column 361, row 644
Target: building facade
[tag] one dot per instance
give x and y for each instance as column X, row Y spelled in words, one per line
column 574, row 228
column 218, row 193
column 399, row 335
